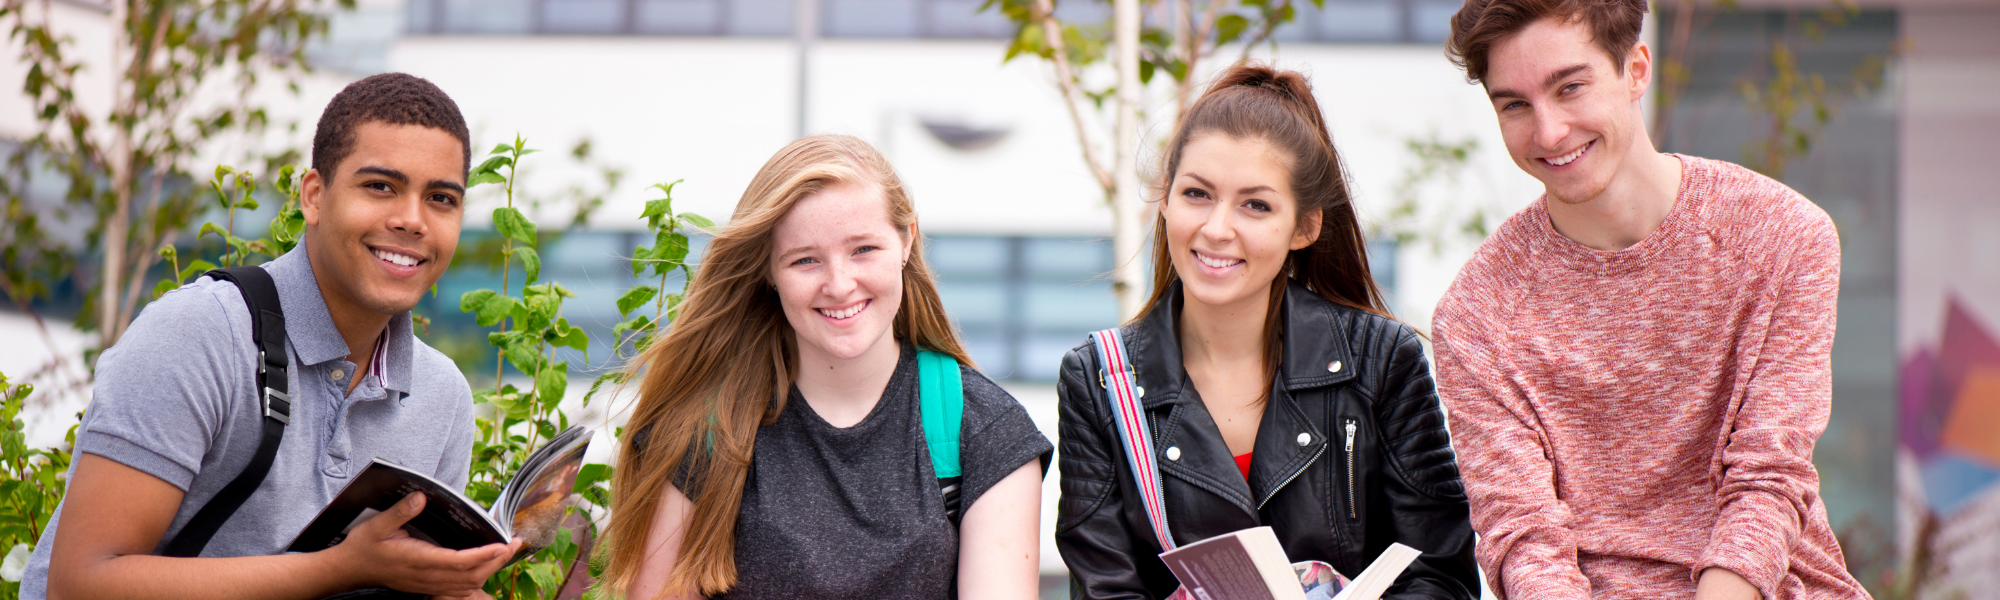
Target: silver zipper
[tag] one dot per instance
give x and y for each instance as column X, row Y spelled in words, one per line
column 1289, row 478
column 1351, row 515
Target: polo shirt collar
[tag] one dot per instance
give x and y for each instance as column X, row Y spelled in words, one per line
column 309, row 326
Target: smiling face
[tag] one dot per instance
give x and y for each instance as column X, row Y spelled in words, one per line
column 1569, row 116
column 837, row 262
column 1231, row 220
column 381, row 229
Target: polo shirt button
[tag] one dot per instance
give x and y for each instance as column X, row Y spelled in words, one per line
column 1173, row 452
column 1305, row 439
column 1333, row 367
column 337, row 374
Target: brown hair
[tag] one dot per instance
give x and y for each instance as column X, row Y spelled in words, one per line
column 1614, row 25
column 1251, row 101
column 393, row 98
column 727, row 364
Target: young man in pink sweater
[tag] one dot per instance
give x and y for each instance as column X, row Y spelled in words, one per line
column 1636, row 366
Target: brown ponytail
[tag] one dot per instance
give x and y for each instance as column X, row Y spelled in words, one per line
column 1258, row 102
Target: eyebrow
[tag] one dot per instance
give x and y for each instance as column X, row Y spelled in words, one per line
column 859, row 237
column 400, row 178
column 1248, row 190
column 1548, row 82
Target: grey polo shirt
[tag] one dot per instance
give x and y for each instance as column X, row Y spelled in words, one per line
column 174, row 398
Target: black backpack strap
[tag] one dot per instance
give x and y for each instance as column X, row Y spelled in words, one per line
column 267, row 330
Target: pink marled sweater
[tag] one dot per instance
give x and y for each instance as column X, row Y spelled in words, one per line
column 1626, row 419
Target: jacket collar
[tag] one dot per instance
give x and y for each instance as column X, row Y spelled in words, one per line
column 1312, row 349
column 1313, row 355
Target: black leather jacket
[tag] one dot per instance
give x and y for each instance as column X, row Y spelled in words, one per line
column 1346, row 375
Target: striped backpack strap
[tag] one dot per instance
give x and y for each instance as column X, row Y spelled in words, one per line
column 1123, row 391
column 941, row 398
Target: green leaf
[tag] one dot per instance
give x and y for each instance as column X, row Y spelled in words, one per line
column 503, row 148
column 639, row 256
column 247, row 203
column 657, row 207
column 1230, row 27
column 483, row 177
column 571, row 337
column 165, row 285
column 496, row 308
column 531, row 262
column 211, row 227
column 547, row 576
column 669, row 249
column 1146, row 71
column 635, row 297
column 524, row 357
column 513, row 224
column 590, row 474
column 494, row 164
column 697, row 220
column 197, row 267
column 475, row 300
column 552, row 382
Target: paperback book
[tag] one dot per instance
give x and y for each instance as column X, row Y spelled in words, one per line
column 530, row 507
column 1251, row 565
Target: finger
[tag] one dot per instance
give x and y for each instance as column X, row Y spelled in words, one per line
column 386, row 523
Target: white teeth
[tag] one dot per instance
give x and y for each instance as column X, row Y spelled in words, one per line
column 1568, row 158
column 845, row 313
column 1215, row 262
column 396, row 258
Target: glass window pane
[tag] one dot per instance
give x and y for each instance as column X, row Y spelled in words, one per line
column 954, row 257
column 1061, row 307
column 1360, row 21
column 419, row 13
column 1430, row 20
column 871, row 18
column 583, row 16
column 989, row 351
column 759, row 17
column 974, row 304
column 1042, row 354
column 507, row 17
column 1083, row 13
column 963, row 19
column 678, row 16
column 1067, row 259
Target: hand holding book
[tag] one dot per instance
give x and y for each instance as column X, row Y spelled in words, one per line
column 1251, row 565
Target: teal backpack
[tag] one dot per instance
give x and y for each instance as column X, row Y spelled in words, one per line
column 941, row 403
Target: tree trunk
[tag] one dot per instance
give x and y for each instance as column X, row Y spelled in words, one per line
column 1128, row 204
column 111, row 279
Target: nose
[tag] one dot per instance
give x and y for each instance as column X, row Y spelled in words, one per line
column 1551, row 126
column 840, row 279
column 407, row 214
column 1217, row 225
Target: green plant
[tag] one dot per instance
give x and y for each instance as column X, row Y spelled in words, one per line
column 184, row 73
column 31, row 482
column 531, row 330
column 282, row 235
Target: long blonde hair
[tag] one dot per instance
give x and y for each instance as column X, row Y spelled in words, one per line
column 727, row 364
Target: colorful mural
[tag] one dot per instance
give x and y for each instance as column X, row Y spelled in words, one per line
column 1950, row 461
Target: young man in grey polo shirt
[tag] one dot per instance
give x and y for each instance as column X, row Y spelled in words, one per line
column 174, row 417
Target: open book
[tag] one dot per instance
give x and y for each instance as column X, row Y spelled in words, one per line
column 1251, row 565
column 530, row 507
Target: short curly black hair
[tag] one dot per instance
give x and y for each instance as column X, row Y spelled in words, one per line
column 393, row 98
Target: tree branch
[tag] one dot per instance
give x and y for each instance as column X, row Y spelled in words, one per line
column 1044, row 14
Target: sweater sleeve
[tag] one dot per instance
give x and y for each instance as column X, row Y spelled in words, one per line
column 1526, row 546
column 1767, row 483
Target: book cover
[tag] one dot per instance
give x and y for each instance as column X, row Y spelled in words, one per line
column 530, row 507
column 1251, row 565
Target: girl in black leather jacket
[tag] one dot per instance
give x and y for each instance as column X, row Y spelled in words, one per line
column 1278, row 390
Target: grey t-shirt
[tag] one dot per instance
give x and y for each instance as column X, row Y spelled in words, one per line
column 855, row 512
column 174, row 399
